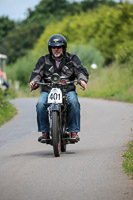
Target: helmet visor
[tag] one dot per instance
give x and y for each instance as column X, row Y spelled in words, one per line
column 56, row 44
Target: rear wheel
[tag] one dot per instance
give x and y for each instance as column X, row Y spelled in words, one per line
column 63, row 145
column 56, row 140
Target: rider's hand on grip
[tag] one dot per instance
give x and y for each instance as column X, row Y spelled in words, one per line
column 82, row 84
column 33, row 86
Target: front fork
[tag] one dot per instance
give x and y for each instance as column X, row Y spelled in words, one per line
column 62, row 110
column 52, row 108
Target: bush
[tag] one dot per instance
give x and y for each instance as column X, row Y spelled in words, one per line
column 88, row 54
column 22, row 69
column 108, row 26
column 124, row 54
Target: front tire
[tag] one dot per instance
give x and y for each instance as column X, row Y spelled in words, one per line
column 56, row 141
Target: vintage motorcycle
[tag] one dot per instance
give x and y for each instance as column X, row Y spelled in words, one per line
column 57, row 114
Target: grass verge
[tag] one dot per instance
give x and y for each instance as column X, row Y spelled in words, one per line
column 7, row 110
column 128, row 159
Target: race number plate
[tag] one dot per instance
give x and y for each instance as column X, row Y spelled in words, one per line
column 55, row 96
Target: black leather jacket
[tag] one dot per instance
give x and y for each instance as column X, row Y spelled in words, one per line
column 70, row 67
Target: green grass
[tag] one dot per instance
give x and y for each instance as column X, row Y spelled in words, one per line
column 114, row 83
column 7, row 110
column 25, row 92
column 128, row 159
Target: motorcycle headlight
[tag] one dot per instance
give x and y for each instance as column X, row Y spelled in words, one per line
column 55, row 78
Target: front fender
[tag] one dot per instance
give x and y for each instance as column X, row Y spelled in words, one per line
column 55, row 107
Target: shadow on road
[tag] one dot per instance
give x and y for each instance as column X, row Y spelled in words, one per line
column 46, row 154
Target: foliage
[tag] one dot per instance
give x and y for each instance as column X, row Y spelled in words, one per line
column 7, row 110
column 109, row 27
column 11, row 92
column 6, row 25
column 124, row 54
column 17, row 38
column 88, row 54
column 1, row 96
column 47, row 10
column 128, row 159
column 94, row 4
column 21, row 70
column 114, row 29
column 19, row 41
column 111, row 83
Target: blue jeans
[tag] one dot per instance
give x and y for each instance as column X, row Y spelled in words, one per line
column 73, row 112
column 6, row 84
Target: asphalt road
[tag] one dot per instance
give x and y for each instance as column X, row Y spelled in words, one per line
column 90, row 170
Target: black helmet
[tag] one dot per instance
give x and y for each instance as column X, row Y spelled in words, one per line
column 56, row 41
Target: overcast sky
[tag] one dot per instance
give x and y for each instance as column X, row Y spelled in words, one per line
column 17, row 9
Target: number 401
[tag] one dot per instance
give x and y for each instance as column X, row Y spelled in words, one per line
column 55, row 96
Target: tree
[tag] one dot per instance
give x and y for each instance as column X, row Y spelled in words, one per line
column 6, row 25
column 19, row 41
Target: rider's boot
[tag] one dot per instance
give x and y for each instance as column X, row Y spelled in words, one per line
column 75, row 136
column 45, row 136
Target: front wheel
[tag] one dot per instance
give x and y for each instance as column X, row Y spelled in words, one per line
column 56, row 140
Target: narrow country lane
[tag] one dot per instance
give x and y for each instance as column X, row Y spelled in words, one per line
column 90, row 170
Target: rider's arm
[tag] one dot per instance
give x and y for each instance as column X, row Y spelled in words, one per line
column 37, row 73
column 80, row 72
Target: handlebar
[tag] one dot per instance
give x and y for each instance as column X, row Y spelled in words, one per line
column 59, row 84
column 51, row 84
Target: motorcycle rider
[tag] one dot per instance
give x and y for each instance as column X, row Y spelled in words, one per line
column 65, row 64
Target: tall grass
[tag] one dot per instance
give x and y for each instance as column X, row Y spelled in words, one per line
column 128, row 159
column 112, row 83
column 7, row 110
